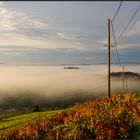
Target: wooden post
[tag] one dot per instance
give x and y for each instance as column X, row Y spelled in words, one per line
column 109, row 91
column 123, row 79
column 126, row 83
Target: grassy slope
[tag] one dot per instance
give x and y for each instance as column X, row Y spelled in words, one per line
column 118, row 117
column 21, row 119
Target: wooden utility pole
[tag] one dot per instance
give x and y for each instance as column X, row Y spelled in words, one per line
column 109, row 91
column 126, row 83
column 123, row 78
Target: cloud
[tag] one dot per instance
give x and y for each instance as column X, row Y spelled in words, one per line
column 70, row 37
column 1, row 3
column 13, row 20
column 20, row 29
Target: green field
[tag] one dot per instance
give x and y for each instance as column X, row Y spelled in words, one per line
column 25, row 118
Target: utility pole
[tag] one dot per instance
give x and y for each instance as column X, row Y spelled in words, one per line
column 126, row 83
column 123, row 78
column 109, row 93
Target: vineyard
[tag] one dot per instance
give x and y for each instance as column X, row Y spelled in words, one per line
column 103, row 118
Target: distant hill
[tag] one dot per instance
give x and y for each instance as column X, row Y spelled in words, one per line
column 71, row 67
column 127, row 73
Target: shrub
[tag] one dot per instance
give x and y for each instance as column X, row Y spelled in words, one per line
column 36, row 108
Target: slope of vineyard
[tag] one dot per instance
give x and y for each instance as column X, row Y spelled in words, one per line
column 102, row 118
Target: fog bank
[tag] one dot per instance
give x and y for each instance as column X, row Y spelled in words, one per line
column 43, row 84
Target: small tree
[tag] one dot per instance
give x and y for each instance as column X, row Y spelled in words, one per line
column 36, row 108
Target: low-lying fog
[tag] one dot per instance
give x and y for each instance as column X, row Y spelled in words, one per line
column 44, row 84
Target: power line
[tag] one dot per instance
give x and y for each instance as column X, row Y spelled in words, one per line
column 115, row 62
column 119, row 38
column 115, row 44
column 129, row 29
column 113, row 30
column 117, row 11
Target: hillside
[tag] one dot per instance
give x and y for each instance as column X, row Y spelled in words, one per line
column 102, row 118
column 126, row 74
column 13, row 119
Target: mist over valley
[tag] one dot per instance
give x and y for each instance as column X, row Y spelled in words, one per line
column 55, row 87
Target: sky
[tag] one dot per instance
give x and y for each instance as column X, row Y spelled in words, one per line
column 65, row 32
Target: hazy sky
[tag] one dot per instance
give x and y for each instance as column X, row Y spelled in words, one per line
column 53, row 33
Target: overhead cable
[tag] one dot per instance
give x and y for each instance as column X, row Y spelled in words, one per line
column 117, row 11
column 119, row 38
column 129, row 29
column 115, row 44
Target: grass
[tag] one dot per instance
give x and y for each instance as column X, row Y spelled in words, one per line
column 21, row 119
